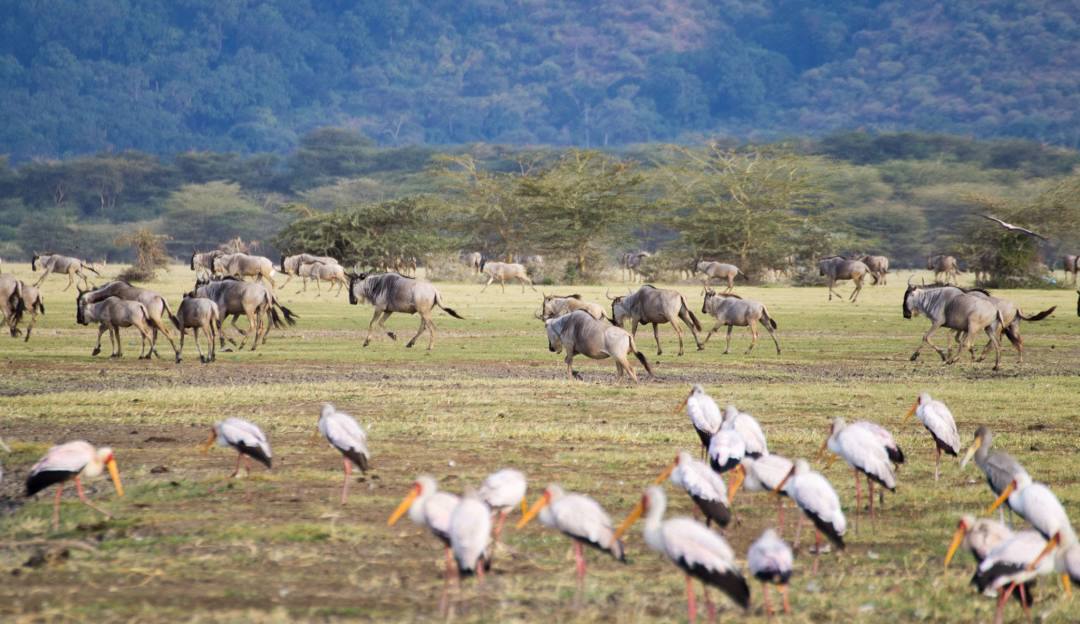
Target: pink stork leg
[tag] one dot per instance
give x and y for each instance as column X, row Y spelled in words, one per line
column 86, row 501
column 937, row 462
column 870, row 484
column 345, row 486
column 579, row 560
column 787, row 605
column 56, row 507
column 691, row 604
column 858, row 492
column 710, row 608
column 780, row 515
column 765, row 595
column 239, row 456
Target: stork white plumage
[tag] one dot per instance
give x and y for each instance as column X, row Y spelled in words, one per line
column 580, row 518
column 705, row 487
column 71, row 462
column 771, row 561
column 248, row 440
column 750, row 430
column 980, row 536
column 866, row 451
column 699, row 552
column 347, row 436
column 1035, row 503
column 429, row 507
column 470, row 535
column 763, row 474
column 818, row 501
column 504, row 490
column 726, row 450
column 704, row 414
column 938, row 420
column 1008, row 567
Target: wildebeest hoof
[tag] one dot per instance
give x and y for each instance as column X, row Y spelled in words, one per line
column 95, row 351
column 914, row 356
column 226, row 350
column 392, row 335
column 178, row 359
column 577, row 376
column 700, row 348
column 408, row 345
column 366, row 343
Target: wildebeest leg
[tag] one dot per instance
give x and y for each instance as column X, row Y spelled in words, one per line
column 385, row 315
column 71, row 281
column 712, row 331
column 727, row 345
column 375, row 317
column 146, row 338
column 754, row 337
column 502, row 285
column 678, row 333
column 491, row 278
column 529, row 282
column 431, row 334
column 43, row 276
column 423, row 326
column 772, row 333
column 195, row 337
column 118, row 352
column 730, row 283
column 569, row 359
column 926, row 340
column 996, row 340
column 858, row 289
column 101, row 330
column 656, row 336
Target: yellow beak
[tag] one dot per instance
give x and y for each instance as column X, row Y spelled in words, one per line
column 736, row 482
column 1066, row 582
column 970, row 453
column 666, row 473
column 1001, row 499
column 524, row 507
column 681, row 405
column 911, row 412
column 205, row 448
column 114, row 472
column 537, row 506
column 404, row 506
column 635, row 513
column 1051, row 544
column 958, row 538
column 780, row 486
column 821, row 451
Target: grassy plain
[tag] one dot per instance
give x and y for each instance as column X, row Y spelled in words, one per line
column 186, row 545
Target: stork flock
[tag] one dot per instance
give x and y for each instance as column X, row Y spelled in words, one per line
column 733, row 443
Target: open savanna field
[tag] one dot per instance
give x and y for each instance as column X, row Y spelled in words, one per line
column 186, row 544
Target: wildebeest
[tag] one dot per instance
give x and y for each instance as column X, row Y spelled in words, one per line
column 503, row 271
column 32, row 302
column 653, row 305
column 1071, row 264
column 290, row 265
column 732, row 310
column 836, row 268
column 943, row 264
column 241, row 265
column 11, row 302
column 405, row 265
column 879, row 268
column 389, row 293
column 963, row 312
column 579, row 333
column 203, row 263
column 197, row 313
column 333, row 273
column 558, row 305
column 156, row 306
column 718, row 270
column 1011, row 316
column 65, row 265
column 630, row 262
column 111, row 314
column 474, row 260
column 234, row 297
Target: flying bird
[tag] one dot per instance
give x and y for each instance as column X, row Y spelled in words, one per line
column 1013, row 228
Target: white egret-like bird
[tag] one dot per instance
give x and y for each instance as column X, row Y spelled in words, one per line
column 504, row 490
column 429, row 507
column 704, row 414
column 750, row 430
column 1035, row 503
column 818, row 501
column 939, row 421
column 1066, row 559
column 248, row 440
column 726, row 450
column 470, row 535
column 699, row 552
column 865, row 451
column 705, row 487
column 71, row 462
column 980, row 536
column 771, row 562
column 1008, row 567
column 348, row 437
column 999, row 467
column 763, row 474
column 580, row 518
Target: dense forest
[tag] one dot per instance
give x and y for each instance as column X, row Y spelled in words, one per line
column 255, row 76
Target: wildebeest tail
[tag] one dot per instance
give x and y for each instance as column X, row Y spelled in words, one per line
column 641, row 356
column 290, row 316
column 17, row 305
column 90, row 265
column 1038, row 317
column 768, row 317
column 450, row 311
column 169, row 313
column 693, row 319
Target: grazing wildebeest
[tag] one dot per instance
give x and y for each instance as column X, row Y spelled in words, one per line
column 630, row 263
column 11, row 302
column 474, row 260
column 241, row 265
column 963, row 312
column 333, row 273
column 580, row 333
column 203, row 263
column 197, row 314
column 290, row 265
column 1071, row 264
column 111, row 314
column 66, row 265
column 155, row 304
column 234, row 297
column 732, row 310
column 943, row 264
column 653, row 305
column 33, row 302
column 836, row 268
column 718, row 270
column 558, row 305
column 503, row 271
column 879, row 268
column 389, row 293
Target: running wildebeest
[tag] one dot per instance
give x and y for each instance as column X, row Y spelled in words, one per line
column 333, row 273
column 503, row 271
column 474, row 260
column 1011, row 316
column 111, row 314
column 12, row 305
column 234, row 297
column 879, row 268
column 1071, row 264
column 32, row 302
column 64, row 265
column 241, row 265
column 156, row 307
column 197, row 313
column 579, row 333
column 963, row 312
column 943, row 264
column 836, row 268
column 203, row 263
column 555, row 306
column 389, row 293
column 653, row 305
column 732, row 310
column 630, row 262
column 718, row 270
column 290, row 265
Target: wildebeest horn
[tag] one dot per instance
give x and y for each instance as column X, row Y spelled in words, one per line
column 608, row 295
column 911, row 277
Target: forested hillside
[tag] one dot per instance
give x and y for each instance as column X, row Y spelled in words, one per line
column 166, row 76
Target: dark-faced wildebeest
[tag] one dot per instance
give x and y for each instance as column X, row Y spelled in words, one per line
column 241, row 265
column 630, row 263
column 111, row 314
column 653, row 305
column 879, row 268
column 290, row 265
column 943, row 265
column 555, row 306
column 63, row 265
column 11, row 302
column 836, row 268
column 732, row 310
column 579, row 333
column 203, row 263
column 503, row 271
column 1010, row 313
column 1071, row 264
column 962, row 312
column 235, row 297
column 197, row 314
column 389, row 293
column 720, row 271
column 155, row 304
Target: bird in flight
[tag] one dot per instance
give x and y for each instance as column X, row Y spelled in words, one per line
column 1013, row 228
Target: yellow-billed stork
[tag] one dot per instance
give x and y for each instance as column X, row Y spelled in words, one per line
column 73, row 461
column 347, row 436
column 243, row 436
column 938, row 420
